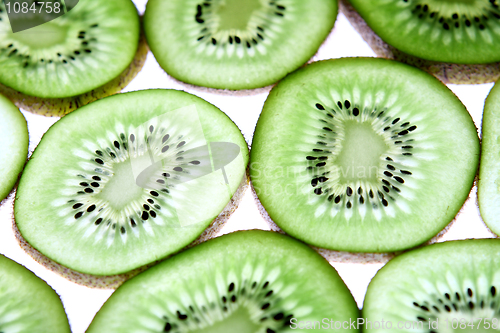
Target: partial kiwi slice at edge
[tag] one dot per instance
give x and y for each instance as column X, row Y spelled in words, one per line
column 91, row 52
column 248, row 281
column 363, row 155
column 488, row 187
column 444, row 287
column 14, row 141
column 233, row 44
column 455, row 41
column 28, row 303
column 128, row 180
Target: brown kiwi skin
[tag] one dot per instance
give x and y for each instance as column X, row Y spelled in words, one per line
column 114, row 281
column 59, row 107
column 446, row 72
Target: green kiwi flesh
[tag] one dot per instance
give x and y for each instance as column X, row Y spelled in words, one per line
column 81, row 201
column 61, row 106
column 14, row 145
column 363, row 155
column 28, row 303
column 444, row 287
column 248, row 281
column 488, row 188
column 88, row 53
column 447, row 72
column 236, row 44
column 464, row 32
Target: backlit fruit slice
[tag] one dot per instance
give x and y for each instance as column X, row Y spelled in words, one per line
column 445, row 287
column 73, row 54
column 28, row 304
column 233, row 44
column 489, row 172
column 248, row 282
column 363, row 155
column 463, row 32
column 13, row 145
column 88, row 53
column 129, row 180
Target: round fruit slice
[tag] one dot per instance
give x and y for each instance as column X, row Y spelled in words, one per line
column 489, row 172
column 72, row 60
column 363, row 155
column 445, row 287
column 129, row 180
column 14, row 145
column 28, row 303
column 249, row 282
column 465, row 32
column 236, row 44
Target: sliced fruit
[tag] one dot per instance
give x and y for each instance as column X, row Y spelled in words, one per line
column 14, row 141
column 88, row 53
column 363, row 155
column 249, row 281
column 28, row 303
column 444, row 287
column 464, row 32
column 488, row 187
column 129, row 180
column 235, row 44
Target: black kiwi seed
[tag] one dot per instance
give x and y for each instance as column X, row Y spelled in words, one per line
column 349, row 191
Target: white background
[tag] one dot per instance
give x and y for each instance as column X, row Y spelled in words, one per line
column 81, row 303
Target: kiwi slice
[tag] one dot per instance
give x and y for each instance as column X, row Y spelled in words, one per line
column 28, row 303
column 14, row 145
column 444, row 287
column 363, row 155
column 235, row 44
column 248, row 281
column 88, row 53
column 457, row 41
column 488, row 190
column 128, row 180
